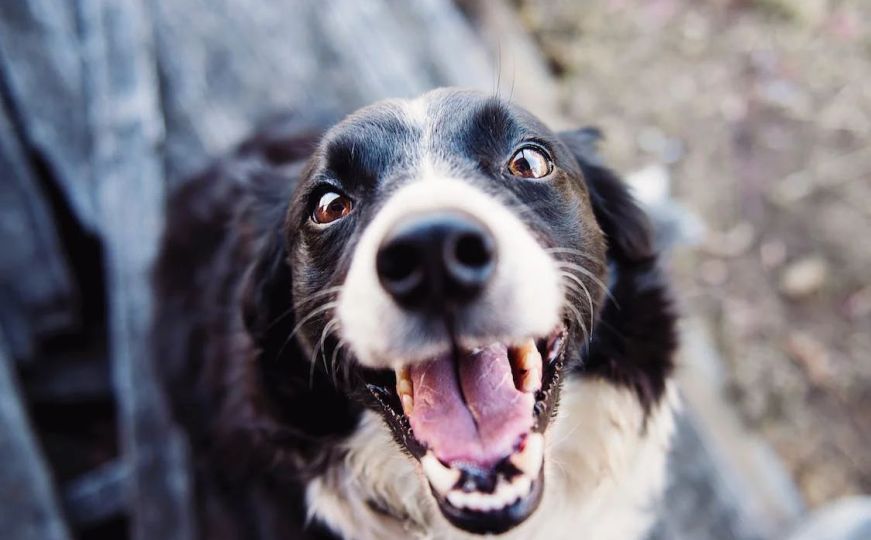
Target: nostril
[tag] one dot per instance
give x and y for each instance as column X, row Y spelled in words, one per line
column 473, row 250
column 468, row 258
column 398, row 267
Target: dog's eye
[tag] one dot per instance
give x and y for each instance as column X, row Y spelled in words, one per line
column 530, row 162
column 331, row 206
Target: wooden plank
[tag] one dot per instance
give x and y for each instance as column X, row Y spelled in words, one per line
column 37, row 294
column 98, row 495
column 29, row 507
column 225, row 66
column 43, row 79
column 127, row 130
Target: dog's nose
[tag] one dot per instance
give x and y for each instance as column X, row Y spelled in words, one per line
column 436, row 259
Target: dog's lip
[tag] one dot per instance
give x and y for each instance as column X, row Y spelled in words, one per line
column 498, row 520
column 463, row 483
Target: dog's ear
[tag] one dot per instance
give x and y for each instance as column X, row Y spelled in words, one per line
column 625, row 225
column 266, row 290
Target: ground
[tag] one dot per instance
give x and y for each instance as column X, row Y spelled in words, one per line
column 761, row 111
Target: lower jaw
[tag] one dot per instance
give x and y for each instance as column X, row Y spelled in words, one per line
column 494, row 521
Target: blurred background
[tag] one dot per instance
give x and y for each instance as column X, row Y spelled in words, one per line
column 742, row 125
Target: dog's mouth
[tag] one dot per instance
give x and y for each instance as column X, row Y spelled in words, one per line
column 475, row 419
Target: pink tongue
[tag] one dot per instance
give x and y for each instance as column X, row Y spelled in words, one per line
column 483, row 428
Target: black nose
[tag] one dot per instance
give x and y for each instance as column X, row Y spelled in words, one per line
column 437, row 259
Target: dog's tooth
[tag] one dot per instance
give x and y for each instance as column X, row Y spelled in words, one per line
column 528, row 364
column 523, row 485
column 530, row 381
column 524, row 353
column 403, row 374
column 404, row 387
column 502, row 492
column 475, row 500
column 529, row 460
column 405, row 390
column 407, row 404
column 442, row 478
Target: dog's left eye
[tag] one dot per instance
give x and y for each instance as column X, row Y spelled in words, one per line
column 331, row 207
column 530, row 162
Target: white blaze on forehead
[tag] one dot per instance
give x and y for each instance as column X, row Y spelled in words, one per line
column 523, row 298
column 417, row 113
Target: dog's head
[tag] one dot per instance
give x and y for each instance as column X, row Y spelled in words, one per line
column 448, row 260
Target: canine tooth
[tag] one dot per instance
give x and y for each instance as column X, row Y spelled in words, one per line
column 442, row 478
column 522, row 486
column 530, row 381
column 529, row 460
column 403, row 377
column 529, row 365
column 407, row 404
column 456, row 498
column 405, row 390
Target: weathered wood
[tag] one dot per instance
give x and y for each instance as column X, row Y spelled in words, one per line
column 42, row 74
column 28, row 503
column 36, row 289
column 98, row 495
column 126, row 131
column 74, row 376
column 227, row 65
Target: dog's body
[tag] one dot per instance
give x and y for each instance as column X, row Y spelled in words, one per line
column 268, row 292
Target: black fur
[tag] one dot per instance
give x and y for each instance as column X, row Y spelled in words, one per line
column 635, row 339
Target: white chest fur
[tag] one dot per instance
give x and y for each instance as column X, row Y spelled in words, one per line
column 604, row 472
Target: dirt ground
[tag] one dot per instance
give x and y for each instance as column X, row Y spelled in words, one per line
column 761, row 110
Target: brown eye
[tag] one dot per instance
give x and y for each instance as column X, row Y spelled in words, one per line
column 530, row 162
column 331, row 207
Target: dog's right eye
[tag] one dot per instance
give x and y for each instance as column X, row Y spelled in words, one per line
column 331, row 206
column 530, row 162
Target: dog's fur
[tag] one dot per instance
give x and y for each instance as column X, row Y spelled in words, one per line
column 287, row 448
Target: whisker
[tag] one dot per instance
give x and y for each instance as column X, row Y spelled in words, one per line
column 328, row 329
column 579, row 318
column 311, row 314
column 341, row 343
column 278, row 319
column 317, row 294
column 291, row 309
column 580, row 282
column 584, row 271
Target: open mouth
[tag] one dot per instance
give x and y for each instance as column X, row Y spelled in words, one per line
column 475, row 419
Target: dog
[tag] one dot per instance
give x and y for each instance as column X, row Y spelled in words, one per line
column 438, row 319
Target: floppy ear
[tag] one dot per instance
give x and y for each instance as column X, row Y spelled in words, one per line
column 634, row 342
column 625, row 225
column 266, row 292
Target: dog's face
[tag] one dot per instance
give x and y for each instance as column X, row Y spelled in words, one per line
column 445, row 252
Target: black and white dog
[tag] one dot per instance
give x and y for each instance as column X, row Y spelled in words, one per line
column 438, row 320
